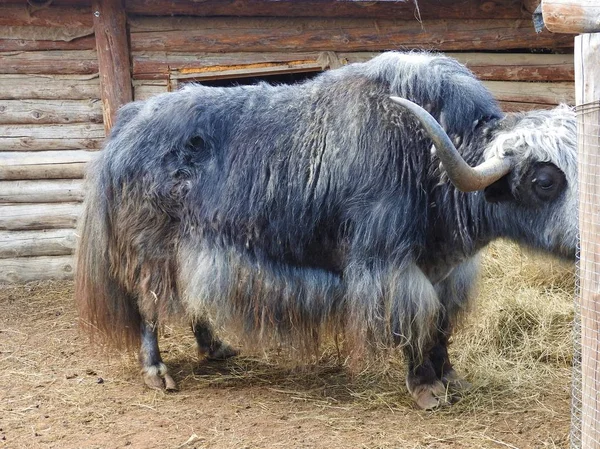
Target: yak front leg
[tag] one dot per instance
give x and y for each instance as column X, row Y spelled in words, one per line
column 154, row 371
column 209, row 345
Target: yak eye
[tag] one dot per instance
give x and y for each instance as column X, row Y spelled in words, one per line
column 547, row 181
column 544, row 181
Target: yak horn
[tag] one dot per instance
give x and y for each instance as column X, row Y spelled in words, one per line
column 464, row 177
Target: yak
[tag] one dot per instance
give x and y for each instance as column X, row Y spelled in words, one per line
column 354, row 203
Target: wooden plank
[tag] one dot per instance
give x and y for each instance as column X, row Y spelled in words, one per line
column 51, row 137
column 55, row 16
column 26, row 269
column 587, row 64
column 541, row 93
column 49, row 62
column 49, row 111
column 486, row 66
column 571, row 16
column 82, row 43
column 44, row 164
column 47, row 242
column 110, row 25
column 49, row 87
column 144, row 89
column 517, row 106
column 64, row 33
column 26, row 217
column 427, row 9
column 42, row 191
column 311, row 34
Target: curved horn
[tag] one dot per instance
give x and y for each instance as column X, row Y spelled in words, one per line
column 461, row 174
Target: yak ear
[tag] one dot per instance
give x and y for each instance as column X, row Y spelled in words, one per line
column 499, row 191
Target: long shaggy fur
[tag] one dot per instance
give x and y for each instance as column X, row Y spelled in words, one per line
column 293, row 210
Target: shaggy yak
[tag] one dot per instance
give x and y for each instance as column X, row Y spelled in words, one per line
column 334, row 205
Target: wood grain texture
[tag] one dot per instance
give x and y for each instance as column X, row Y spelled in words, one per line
column 44, row 164
column 571, row 16
column 16, row 112
column 26, row 217
column 428, row 9
column 42, row 191
column 46, row 242
column 110, row 27
column 49, row 87
column 311, row 34
column 74, row 62
column 72, row 136
column 26, row 269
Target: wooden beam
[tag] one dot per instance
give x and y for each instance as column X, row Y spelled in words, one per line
column 73, row 136
column 571, row 16
column 53, row 16
column 72, row 62
column 49, row 87
column 42, row 191
column 427, row 9
column 47, row 242
column 587, row 63
column 26, row 217
column 310, row 34
column 26, row 269
column 13, row 112
column 113, row 57
column 82, row 43
column 541, row 93
column 44, row 164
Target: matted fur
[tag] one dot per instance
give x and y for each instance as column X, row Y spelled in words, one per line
column 303, row 209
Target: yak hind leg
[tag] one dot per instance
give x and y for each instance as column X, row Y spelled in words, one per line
column 444, row 371
column 427, row 390
column 209, row 345
column 154, row 371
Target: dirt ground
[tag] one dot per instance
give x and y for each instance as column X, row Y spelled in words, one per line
column 58, row 391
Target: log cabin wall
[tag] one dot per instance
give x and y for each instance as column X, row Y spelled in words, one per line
column 51, row 114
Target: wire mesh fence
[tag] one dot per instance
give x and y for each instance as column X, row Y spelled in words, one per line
column 586, row 329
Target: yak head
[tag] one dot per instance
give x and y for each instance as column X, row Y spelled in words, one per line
column 528, row 175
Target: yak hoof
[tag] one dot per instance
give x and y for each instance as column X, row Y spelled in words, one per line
column 157, row 378
column 455, row 383
column 223, row 352
column 431, row 396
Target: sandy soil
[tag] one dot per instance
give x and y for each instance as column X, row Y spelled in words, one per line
column 58, row 391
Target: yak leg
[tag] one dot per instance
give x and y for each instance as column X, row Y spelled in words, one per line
column 454, row 293
column 422, row 382
column 154, row 371
column 209, row 345
column 420, row 299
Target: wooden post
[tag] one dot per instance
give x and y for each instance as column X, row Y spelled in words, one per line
column 571, row 16
column 110, row 28
column 587, row 76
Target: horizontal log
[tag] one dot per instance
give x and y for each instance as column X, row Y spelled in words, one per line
column 53, row 242
column 36, row 33
column 516, row 106
column 60, row 62
column 82, row 43
column 50, row 111
column 26, row 217
column 310, row 34
column 26, row 269
column 44, row 164
column 144, row 89
column 427, row 9
column 540, row 93
column 49, row 87
column 51, row 137
column 571, row 16
column 42, row 191
column 54, row 16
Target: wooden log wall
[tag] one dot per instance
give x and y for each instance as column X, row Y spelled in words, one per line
column 51, row 114
column 50, row 127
